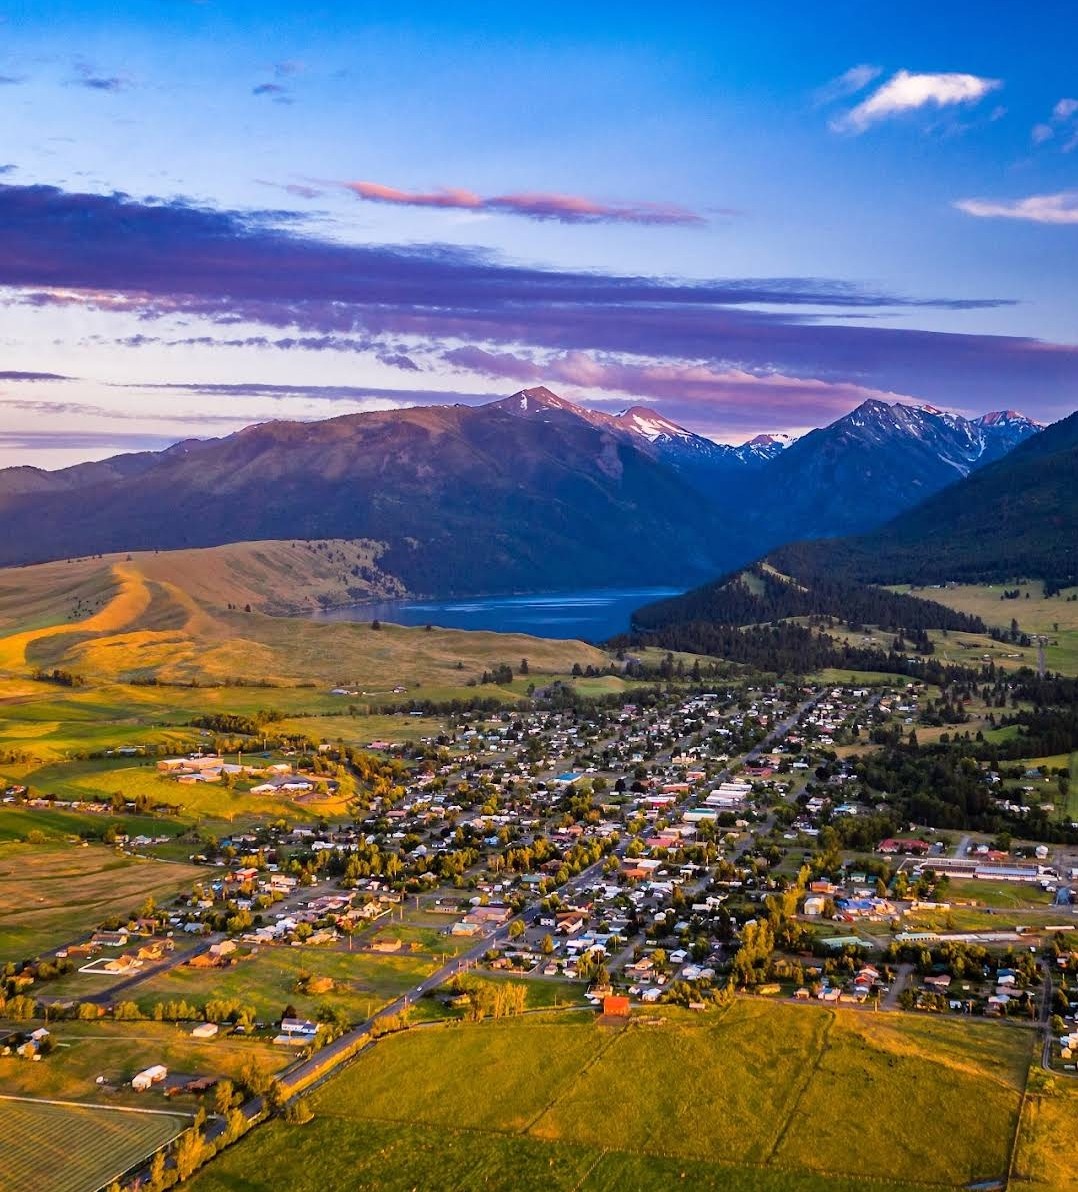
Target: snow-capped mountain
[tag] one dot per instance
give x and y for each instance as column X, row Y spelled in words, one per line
column 872, row 464
column 662, row 438
column 762, row 448
column 1002, row 431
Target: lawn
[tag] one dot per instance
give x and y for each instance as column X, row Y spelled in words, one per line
column 66, row 1149
column 997, row 894
column 52, row 894
column 761, row 1096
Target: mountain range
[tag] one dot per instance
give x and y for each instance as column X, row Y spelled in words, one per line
column 529, row 492
column 1016, row 517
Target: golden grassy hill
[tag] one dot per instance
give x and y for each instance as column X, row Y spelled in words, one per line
column 180, row 616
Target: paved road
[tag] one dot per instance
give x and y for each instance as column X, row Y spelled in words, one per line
column 110, row 994
column 902, row 975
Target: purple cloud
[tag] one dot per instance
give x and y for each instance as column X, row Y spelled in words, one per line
column 158, row 258
column 14, row 374
column 329, row 393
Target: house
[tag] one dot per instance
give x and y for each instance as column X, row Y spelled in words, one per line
column 387, row 945
column 616, row 1007
column 204, row 1030
column 912, row 847
column 296, row 1032
column 148, row 1077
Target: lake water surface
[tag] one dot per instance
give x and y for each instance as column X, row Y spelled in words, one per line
column 592, row 614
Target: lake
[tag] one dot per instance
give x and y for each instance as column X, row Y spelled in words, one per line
column 592, row 614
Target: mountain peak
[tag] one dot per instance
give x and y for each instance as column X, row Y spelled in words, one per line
column 1004, row 418
column 651, row 424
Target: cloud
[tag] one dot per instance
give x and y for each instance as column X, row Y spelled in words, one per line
column 857, row 78
column 94, row 80
column 1061, row 208
column 12, row 374
column 531, row 205
column 34, row 440
column 299, row 189
column 113, row 83
column 277, row 92
column 284, row 287
column 11, row 80
column 377, row 397
column 1063, row 122
column 907, row 92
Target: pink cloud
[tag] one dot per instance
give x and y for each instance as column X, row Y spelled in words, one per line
column 375, row 192
column 531, row 205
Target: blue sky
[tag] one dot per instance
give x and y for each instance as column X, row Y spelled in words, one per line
column 750, row 217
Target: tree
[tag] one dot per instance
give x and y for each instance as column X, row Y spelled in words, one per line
column 298, row 1112
column 275, row 1097
column 190, row 1153
column 516, row 929
column 546, row 945
column 157, row 1171
column 224, row 1095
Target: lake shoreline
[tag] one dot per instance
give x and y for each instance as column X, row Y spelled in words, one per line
column 587, row 614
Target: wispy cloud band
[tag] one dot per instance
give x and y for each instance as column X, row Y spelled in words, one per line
column 531, row 205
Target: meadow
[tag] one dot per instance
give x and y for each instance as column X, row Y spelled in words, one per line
column 52, row 894
column 1046, row 1157
column 269, row 980
column 83, row 1051
column 1053, row 616
column 66, row 1149
column 762, row 1096
column 203, row 617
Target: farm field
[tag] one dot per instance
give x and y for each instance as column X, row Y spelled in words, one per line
column 50, row 894
column 759, row 1096
column 83, row 1051
column 997, row 894
column 1046, row 1159
column 1053, row 616
column 66, row 1149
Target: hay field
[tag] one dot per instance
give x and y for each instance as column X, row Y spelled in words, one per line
column 50, row 894
column 761, row 1096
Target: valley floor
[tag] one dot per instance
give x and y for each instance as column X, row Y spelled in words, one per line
column 759, row 1097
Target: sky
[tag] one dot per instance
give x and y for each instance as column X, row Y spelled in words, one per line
column 748, row 217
